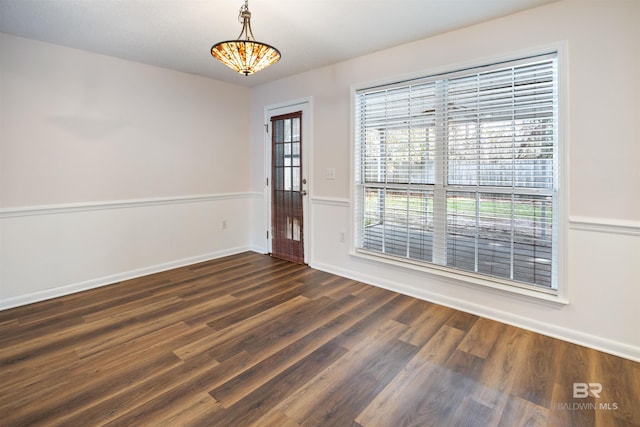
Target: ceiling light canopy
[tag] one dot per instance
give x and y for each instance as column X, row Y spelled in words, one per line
column 245, row 55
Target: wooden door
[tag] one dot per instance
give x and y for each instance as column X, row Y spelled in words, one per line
column 287, row 187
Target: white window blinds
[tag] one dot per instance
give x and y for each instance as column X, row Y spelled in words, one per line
column 460, row 170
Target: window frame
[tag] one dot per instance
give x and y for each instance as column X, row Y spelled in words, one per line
column 558, row 295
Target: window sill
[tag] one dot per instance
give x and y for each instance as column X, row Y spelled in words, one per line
column 456, row 277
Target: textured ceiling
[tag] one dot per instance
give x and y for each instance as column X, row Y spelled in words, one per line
column 178, row 34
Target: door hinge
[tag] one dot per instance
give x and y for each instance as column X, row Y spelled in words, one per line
column 267, row 234
column 266, row 128
column 267, row 181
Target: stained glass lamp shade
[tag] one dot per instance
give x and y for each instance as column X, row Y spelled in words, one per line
column 245, row 55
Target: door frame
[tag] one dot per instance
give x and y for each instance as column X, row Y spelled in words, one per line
column 306, row 106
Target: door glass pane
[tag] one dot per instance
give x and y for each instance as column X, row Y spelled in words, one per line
column 295, row 154
column 287, row 179
column 295, row 133
column 279, row 155
column 287, row 154
column 279, row 131
column 296, row 179
column 287, row 130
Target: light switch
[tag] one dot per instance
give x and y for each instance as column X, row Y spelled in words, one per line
column 330, row 173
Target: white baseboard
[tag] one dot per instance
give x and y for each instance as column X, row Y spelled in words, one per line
column 259, row 249
column 114, row 278
column 595, row 342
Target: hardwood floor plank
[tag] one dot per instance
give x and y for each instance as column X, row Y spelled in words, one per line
column 245, row 280
column 577, row 365
column 523, row 412
column 200, row 410
column 278, row 332
column 129, row 399
column 563, row 413
column 465, row 363
column 245, row 309
column 357, row 384
column 47, row 375
column 426, row 324
column 503, row 364
column 249, row 340
column 338, row 289
column 407, row 399
column 534, row 381
column 211, row 375
column 473, row 413
column 392, row 306
column 18, row 375
column 115, row 294
column 462, row 321
column 276, row 280
column 275, row 418
column 87, row 333
column 13, row 314
column 283, row 353
column 261, row 401
column 86, row 389
column 335, row 392
column 189, row 310
column 16, row 332
column 481, row 337
column 229, row 333
column 619, row 391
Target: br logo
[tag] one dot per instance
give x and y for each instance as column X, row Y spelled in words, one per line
column 582, row 390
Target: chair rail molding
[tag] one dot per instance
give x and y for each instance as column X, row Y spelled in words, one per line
column 605, row 225
column 120, row 204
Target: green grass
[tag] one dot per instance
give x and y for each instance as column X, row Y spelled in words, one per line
column 466, row 206
column 502, row 209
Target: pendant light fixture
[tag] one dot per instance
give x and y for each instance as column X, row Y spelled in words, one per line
column 245, row 55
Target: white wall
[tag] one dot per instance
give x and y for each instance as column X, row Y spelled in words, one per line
column 603, row 226
column 111, row 169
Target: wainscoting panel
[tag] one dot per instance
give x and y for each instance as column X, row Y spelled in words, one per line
column 49, row 251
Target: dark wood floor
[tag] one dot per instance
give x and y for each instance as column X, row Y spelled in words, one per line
column 251, row 340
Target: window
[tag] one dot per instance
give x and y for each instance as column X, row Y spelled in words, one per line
column 460, row 171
